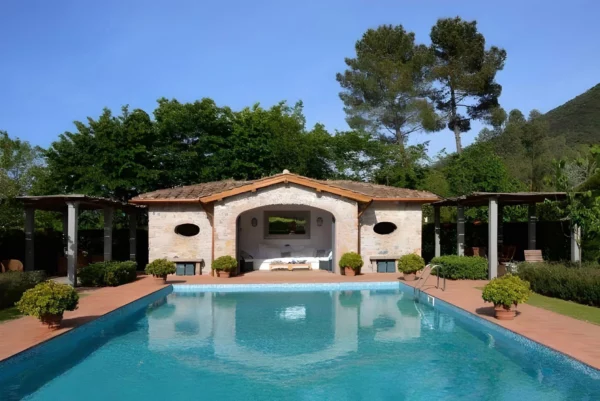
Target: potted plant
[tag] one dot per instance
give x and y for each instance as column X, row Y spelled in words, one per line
column 224, row 265
column 506, row 293
column 48, row 301
column 410, row 265
column 160, row 268
column 351, row 262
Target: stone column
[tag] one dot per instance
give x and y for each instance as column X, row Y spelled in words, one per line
column 109, row 214
column 493, row 238
column 437, row 230
column 460, row 230
column 575, row 238
column 72, row 233
column 531, row 226
column 29, row 238
column 133, row 235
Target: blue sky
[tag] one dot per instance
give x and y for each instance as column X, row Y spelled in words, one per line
column 62, row 61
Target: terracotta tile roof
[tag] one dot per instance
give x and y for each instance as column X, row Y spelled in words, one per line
column 379, row 191
column 362, row 189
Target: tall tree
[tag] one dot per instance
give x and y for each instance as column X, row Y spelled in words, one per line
column 465, row 73
column 386, row 87
column 21, row 165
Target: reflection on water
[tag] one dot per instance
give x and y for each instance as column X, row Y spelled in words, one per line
column 292, row 330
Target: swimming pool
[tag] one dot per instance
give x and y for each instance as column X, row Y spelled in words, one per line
column 367, row 341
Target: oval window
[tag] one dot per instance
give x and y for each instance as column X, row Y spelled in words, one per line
column 385, row 227
column 187, row 230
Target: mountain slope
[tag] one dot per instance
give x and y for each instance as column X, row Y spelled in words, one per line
column 578, row 119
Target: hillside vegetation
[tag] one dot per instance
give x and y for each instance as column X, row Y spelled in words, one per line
column 578, row 120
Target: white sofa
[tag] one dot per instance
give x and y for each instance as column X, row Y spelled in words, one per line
column 267, row 254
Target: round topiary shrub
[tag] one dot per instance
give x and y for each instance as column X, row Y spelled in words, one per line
column 351, row 260
column 48, row 301
column 160, row 268
column 225, row 263
column 411, row 263
column 506, row 291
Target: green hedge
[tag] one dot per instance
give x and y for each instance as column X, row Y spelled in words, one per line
column 579, row 284
column 14, row 284
column 103, row 274
column 462, row 267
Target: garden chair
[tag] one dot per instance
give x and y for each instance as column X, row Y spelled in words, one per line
column 533, row 256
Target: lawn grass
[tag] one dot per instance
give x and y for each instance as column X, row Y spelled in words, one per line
column 9, row 314
column 577, row 311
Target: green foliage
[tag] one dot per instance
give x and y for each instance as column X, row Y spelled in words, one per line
column 465, row 73
column 579, row 284
column 92, row 275
column 160, row 268
column 14, row 284
column 385, row 87
column 20, row 166
column 478, row 169
column 578, row 119
column 410, row 263
column 48, row 298
column 225, row 263
column 462, row 267
column 352, row 260
column 507, row 291
column 120, row 273
column 111, row 273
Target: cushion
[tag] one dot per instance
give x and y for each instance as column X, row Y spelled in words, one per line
column 286, row 254
column 321, row 253
column 309, row 252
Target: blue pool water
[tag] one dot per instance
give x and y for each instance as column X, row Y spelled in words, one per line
column 375, row 344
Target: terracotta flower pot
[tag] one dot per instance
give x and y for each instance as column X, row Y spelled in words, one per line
column 160, row 280
column 348, row 271
column 224, row 274
column 502, row 313
column 51, row 321
column 410, row 276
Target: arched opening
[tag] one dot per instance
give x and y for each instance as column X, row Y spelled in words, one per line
column 288, row 237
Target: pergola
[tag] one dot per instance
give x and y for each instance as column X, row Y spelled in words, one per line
column 495, row 202
column 69, row 206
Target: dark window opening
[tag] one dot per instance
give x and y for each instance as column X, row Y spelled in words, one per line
column 385, row 227
column 187, row 230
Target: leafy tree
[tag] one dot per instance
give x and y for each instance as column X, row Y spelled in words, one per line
column 21, row 166
column 465, row 73
column 478, row 169
column 386, row 87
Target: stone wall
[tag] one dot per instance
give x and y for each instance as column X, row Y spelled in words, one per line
column 344, row 210
column 163, row 242
column 406, row 239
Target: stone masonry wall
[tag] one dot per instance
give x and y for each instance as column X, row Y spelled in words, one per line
column 163, row 242
column 406, row 239
column 344, row 210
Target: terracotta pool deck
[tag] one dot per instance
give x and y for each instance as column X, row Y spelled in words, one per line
column 573, row 337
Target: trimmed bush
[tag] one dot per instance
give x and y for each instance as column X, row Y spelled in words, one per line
column 112, row 273
column 14, row 284
column 160, row 268
column 120, row 273
column 462, row 267
column 506, row 291
column 581, row 285
column 411, row 263
column 351, row 260
column 92, row 275
column 225, row 263
column 48, row 298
